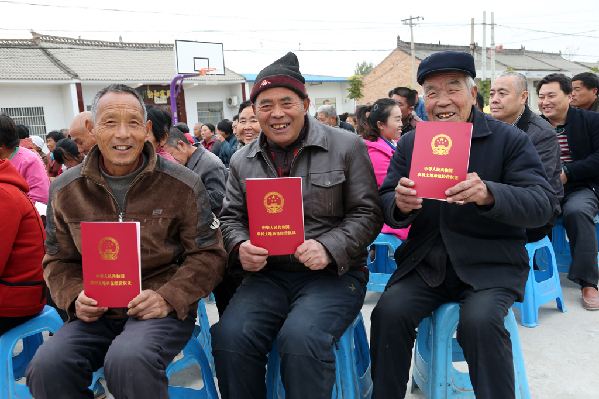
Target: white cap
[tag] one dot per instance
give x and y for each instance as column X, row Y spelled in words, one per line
column 41, row 144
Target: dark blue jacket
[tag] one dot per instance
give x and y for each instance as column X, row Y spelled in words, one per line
column 582, row 130
column 485, row 244
column 227, row 149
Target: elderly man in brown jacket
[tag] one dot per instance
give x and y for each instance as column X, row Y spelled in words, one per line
column 182, row 259
column 305, row 300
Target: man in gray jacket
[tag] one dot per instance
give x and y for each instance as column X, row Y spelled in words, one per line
column 210, row 168
column 508, row 101
column 308, row 299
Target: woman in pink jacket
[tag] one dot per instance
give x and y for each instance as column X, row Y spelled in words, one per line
column 380, row 126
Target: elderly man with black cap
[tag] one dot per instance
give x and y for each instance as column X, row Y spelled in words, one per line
column 468, row 249
column 308, row 299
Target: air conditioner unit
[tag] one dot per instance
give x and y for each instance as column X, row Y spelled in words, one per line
column 233, row 101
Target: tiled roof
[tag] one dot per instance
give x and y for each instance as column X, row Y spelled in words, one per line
column 24, row 60
column 516, row 59
column 95, row 60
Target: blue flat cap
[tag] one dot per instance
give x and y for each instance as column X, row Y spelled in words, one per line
column 446, row 61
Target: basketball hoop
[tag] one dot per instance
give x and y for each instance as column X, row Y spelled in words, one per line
column 204, row 71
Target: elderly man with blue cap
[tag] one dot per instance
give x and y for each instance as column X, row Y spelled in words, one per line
column 468, row 249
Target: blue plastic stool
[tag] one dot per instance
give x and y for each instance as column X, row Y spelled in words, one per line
column 199, row 351
column 561, row 245
column 352, row 371
column 13, row 368
column 383, row 265
column 436, row 350
column 542, row 286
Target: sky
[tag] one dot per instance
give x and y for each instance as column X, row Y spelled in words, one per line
column 330, row 38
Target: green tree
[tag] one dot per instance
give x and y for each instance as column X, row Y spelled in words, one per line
column 363, row 68
column 484, row 87
column 355, row 87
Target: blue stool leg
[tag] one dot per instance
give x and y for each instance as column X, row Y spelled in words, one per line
column 522, row 391
column 46, row 320
column 20, row 362
column 433, row 370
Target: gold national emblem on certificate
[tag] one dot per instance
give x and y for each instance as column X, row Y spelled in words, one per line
column 108, row 248
column 274, row 202
column 441, row 144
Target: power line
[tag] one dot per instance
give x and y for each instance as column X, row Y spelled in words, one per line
column 577, row 34
column 186, row 14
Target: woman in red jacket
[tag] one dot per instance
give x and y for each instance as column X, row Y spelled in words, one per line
column 21, row 251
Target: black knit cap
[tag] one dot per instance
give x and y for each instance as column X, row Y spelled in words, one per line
column 445, row 61
column 284, row 72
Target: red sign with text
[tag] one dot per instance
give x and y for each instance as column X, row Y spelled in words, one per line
column 110, row 253
column 276, row 214
column 440, row 157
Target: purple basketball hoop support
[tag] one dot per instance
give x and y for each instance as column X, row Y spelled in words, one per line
column 176, row 85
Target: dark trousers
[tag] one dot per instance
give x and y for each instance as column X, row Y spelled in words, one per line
column 8, row 323
column 225, row 290
column 134, row 354
column 307, row 312
column 481, row 333
column 578, row 210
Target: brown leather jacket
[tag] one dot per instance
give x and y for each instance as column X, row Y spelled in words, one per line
column 182, row 255
column 341, row 202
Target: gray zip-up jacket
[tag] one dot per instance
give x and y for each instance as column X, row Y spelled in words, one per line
column 341, row 203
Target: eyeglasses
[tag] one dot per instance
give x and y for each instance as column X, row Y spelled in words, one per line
column 286, row 105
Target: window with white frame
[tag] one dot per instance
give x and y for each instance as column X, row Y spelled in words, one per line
column 32, row 117
column 210, row 112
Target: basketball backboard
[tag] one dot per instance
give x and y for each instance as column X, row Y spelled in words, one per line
column 194, row 56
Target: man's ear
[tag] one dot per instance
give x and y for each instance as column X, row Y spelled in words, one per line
column 306, row 102
column 148, row 128
column 524, row 97
column 474, row 92
column 89, row 126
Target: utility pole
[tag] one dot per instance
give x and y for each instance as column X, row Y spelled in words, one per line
column 472, row 45
column 483, row 75
column 411, row 23
column 492, row 47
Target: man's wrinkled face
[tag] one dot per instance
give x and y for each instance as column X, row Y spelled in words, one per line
column 327, row 120
column 248, row 126
column 447, row 97
column 582, row 97
column 506, row 100
column 120, row 132
column 178, row 152
column 281, row 112
column 84, row 138
column 553, row 102
column 406, row 109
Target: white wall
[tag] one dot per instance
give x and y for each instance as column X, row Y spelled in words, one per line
column 71, row 105
column 328, row 90
column 210, row 93
column 49, row 96
column 89, row 91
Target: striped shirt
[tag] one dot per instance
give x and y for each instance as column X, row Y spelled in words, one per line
column 564, row 149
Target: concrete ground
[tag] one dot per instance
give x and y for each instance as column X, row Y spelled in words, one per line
column 561, row 353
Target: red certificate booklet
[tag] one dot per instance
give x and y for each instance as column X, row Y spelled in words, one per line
column 276, row 214
column 111, row 260
column 440, row 157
